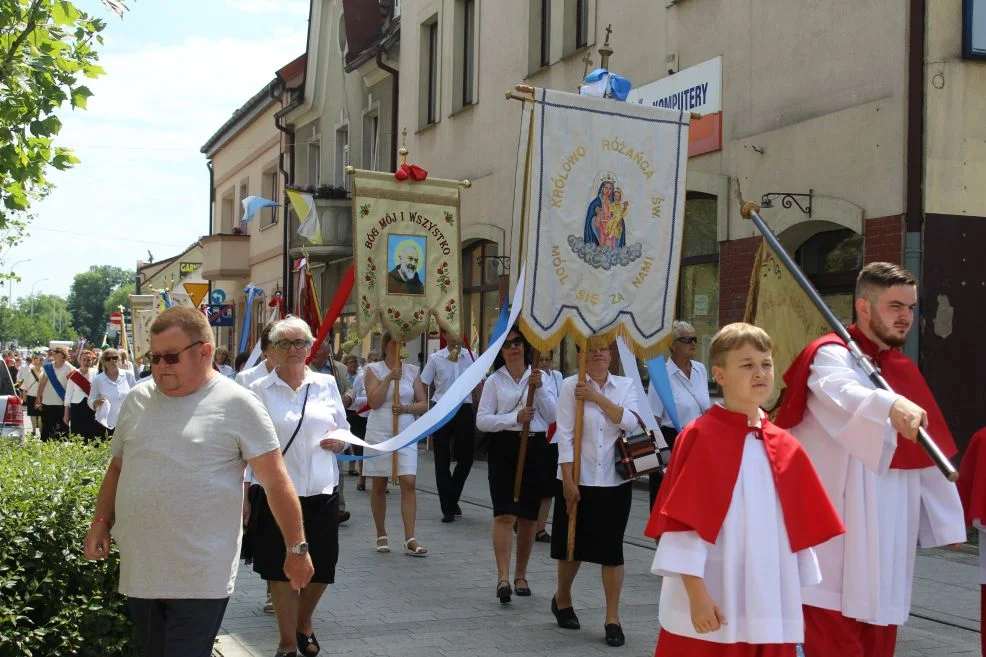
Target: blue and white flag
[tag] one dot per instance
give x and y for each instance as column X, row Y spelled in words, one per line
column 254, row 204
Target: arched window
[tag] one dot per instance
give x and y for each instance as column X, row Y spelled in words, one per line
column 832, row 260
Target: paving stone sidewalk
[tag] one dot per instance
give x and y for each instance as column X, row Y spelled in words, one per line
column 391, row 605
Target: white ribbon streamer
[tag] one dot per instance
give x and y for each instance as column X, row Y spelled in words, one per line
column 463, row 386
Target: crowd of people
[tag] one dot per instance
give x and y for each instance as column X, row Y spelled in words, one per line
column 770, row 533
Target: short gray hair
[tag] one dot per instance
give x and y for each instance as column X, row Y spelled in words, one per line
column 374, row 353
column 679, row 327
column 290, row 324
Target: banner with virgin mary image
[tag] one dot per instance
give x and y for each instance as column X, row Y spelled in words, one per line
column 601, row 220
column 407, row 254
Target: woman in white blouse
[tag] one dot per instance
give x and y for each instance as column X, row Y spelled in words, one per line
column 379, row 378
column 502, row 411
column 603, row 496
column 109, row 388
column 310, row 419
column 690, row 385
column 78, row 414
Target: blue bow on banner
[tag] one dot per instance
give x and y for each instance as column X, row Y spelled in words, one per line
column 601, row 83
column 166, row 298
column 252, row 292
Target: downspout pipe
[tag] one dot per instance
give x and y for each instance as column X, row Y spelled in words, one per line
column 395, row 76
column 914, row 219
column 288, row 180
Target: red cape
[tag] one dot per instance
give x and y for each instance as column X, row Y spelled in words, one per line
column 698, row 487
column 903, row 376
column 79, row 379
column 972, row 479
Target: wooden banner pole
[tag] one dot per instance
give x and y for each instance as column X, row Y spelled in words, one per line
column 525, row 432
column 577, row 454
column 396, row 418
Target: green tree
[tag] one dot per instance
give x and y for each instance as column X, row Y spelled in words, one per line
column 37, row 321
column 46, row 47
column 88, row 295
column 119, row 297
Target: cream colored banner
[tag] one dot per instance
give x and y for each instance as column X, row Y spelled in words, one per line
column 778, row 305
column 407, row 254
column 602, row 218
column 143, row 309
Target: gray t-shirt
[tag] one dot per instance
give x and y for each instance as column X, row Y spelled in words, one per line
column 180, row 497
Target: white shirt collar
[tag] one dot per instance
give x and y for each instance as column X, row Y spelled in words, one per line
column 274, row 378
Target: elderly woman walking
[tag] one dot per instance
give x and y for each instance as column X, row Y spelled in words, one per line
column 109, row 389
column 310, row 419
column 602, row 495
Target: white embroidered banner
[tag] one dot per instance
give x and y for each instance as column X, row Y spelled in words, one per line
column 604, row 210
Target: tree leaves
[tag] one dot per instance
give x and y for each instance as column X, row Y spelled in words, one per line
column 46, row 47
column 88, row 295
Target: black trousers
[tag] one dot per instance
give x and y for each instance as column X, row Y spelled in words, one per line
column 83, row 421
column 177, row 628
column 52, row 427
column 458, row 437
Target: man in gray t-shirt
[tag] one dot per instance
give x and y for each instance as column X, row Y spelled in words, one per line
column 175, row 508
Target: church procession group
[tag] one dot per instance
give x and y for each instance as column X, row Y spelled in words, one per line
column 777, row 523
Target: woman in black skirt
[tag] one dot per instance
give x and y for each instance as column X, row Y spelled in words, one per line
column 602, row 495
column 502, row 411
column 309, row 417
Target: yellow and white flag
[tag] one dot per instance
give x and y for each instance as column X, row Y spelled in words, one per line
column 778, row 305
column 304, row 206
column 407, row 254
column 601, row 218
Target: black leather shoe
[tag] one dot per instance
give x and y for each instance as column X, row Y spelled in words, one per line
column 566, row 618
column 522, row 591
column 448, row 517
column 614, row 635
column 458, row 510
column 503, row 591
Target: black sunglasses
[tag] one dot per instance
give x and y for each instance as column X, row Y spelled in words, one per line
column 112, row 358
column 688, row 340
column 170, row 359
column 516, row 342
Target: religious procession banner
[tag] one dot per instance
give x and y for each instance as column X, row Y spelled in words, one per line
column 407, row 254
column 601, row 220
column 144, row 308
column 778, row 305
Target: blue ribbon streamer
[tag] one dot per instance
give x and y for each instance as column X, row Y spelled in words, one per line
column 498, row 330
column 661, row 383
column 252, row 292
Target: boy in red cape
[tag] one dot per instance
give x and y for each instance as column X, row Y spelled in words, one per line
column 972, row 489
column 862, row 442
column 738, row 514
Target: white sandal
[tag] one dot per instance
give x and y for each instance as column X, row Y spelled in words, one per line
column 385, row 547
column 418, row 551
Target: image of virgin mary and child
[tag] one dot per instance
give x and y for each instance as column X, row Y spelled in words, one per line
column 605, row 218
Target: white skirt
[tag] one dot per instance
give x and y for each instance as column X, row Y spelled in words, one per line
column 379, row 427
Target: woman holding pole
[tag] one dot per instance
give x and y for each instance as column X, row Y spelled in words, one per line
column 385, row 420
column 600, row 496
column 514, row 401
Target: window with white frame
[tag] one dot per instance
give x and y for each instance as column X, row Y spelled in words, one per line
column 578, row 24
column 428, row 105
column 371, row 141
column 315, row 160
column 342, row 157
column 227, row 212
column 268, row 189
column 244, row 192
column 465, row 43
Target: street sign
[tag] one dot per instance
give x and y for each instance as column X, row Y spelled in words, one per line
column 218, row 296
column 116, row 319
column 219, row 314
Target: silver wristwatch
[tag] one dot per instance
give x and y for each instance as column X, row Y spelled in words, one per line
column 300, row 548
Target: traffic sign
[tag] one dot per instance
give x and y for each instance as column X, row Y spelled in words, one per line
column 116, row 319
column 219, row 315
column 217, row 297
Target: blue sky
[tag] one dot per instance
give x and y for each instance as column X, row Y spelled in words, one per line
column 176, row 70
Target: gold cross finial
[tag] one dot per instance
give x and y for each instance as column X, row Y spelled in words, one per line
column 609, row 30
column 403, row 150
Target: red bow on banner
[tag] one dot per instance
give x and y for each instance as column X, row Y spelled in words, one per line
column 412, row 171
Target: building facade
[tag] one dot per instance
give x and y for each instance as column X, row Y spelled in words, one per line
column 816, row 110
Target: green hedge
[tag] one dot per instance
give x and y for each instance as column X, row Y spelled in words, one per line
column 53, row 601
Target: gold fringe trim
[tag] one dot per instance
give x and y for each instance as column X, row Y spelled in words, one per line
column 568, row 328
column 750, row 312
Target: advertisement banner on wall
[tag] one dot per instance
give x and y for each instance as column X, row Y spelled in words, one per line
column 696, row 89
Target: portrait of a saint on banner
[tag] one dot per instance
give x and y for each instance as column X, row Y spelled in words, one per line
column 407, row 254
column 603, row 224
